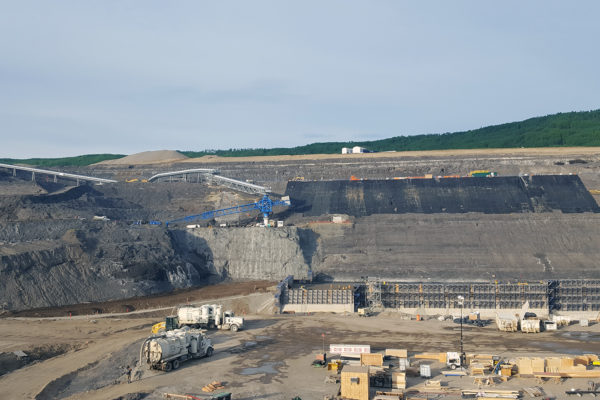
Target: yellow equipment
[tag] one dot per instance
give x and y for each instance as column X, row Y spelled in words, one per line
column 159, row 327
column 169, row 324
column 132, row 180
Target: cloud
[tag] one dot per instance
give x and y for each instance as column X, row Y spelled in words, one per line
column 122, row 76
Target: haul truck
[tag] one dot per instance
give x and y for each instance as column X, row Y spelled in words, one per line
column 206, row 316
column 169, row 349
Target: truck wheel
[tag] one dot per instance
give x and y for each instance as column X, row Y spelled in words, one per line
column 175, row 364
column 234, row 328
column 168, row 367
column 452, row 366
column 209, row 352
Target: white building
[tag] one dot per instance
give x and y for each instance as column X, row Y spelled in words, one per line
column 355, row 150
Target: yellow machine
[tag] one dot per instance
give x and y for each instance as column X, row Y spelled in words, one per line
column 159, row 327
column 169, row 324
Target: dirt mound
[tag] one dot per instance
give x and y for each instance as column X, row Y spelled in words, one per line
column 148, row 157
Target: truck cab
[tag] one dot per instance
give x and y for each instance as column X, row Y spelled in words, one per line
column 231, row 322
column 453, row 360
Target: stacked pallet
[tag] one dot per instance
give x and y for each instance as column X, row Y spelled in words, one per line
column 398, row 380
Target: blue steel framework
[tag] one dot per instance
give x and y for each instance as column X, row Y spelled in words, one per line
column 264, row 205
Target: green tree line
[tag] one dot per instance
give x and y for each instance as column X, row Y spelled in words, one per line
column 557, row 130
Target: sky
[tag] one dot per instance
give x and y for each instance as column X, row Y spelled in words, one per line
column 87, row 77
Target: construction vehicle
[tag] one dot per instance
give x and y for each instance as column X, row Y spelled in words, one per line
column 170, row 323
column 482, row 173
column 169, row 349
column 453, row 360
column 264, row 205
column 207, row 317
column 364, row 312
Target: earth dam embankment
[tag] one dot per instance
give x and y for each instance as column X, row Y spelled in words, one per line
column 493, row 195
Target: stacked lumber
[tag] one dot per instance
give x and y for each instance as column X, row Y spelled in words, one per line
column 477, row 369
column 492, row 394
column 400, row 353
column 581, row 374
column 441, row 357
column 371, row 359
column 398, row 380
column 534, row 391
column 211, row 387
column 485, row 359
column 453, row 372
column 432, row 384
column 530, row 366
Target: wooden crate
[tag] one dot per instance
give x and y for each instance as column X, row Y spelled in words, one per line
column 538, row 364
column 553, row 364
column 355, row 383
column 374, row 359
column 398, row 380
column 566, row 362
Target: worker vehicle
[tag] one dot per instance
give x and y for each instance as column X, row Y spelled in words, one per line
column 207, row 317
column 364, row 312
column 168, row 350
column 453, row 360
column 482, row 173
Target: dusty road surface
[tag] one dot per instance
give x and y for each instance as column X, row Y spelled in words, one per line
column 270, row 359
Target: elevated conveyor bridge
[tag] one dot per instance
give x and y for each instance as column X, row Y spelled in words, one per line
column 55, row 174
column 212, row 176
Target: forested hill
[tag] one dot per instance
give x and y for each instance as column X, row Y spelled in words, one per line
column 563, row 129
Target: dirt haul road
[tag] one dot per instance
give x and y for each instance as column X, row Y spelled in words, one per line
column 268, row 360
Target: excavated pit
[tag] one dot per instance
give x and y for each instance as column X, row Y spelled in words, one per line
column 53, row 253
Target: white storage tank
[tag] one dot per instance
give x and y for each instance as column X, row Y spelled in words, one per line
column 189, row 315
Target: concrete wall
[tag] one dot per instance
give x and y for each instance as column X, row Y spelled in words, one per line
column 306, row 308
column 455, row 312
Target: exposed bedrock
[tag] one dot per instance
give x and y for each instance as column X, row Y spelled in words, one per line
column 249, row 253
column 92, row 264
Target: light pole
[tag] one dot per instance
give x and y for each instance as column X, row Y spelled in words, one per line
column 461, row 302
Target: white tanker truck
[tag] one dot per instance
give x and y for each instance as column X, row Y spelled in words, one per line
column 169, row 349
column 209, row 316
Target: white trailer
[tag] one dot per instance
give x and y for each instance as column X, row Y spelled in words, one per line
column 168, row 350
